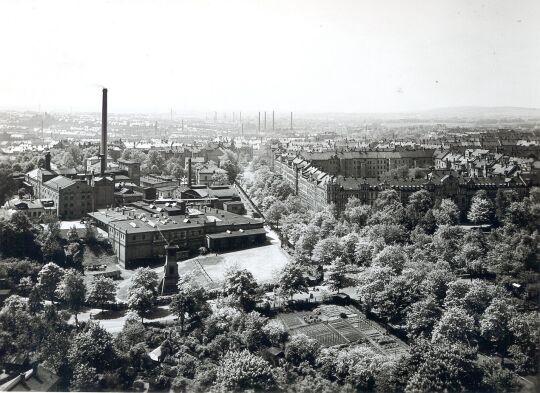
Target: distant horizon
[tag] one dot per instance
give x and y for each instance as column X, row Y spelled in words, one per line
column 251, row 113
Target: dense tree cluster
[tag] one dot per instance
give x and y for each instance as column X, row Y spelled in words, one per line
column 414, row 267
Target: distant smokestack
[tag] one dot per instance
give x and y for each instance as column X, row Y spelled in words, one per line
column 259, row 126
column 189, row 172
column 291, row 121
column 273, row 121
column 103, row 149
column 265, row 120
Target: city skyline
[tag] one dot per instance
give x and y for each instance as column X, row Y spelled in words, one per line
column 360, row 57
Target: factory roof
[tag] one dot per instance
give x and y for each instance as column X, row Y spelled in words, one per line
column 239, row 233
column 137, row 220
column 60, row 182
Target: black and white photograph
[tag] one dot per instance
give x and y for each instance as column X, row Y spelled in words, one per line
column 283, row 196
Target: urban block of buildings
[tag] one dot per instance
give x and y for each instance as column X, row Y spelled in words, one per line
column 320, row 179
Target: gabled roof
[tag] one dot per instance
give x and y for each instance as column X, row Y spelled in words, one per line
column 38, row 379
column 60, row 182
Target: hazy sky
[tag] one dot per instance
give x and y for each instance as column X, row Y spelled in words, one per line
column 335, row 55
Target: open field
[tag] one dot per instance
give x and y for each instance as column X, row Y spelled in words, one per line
column 263, row 262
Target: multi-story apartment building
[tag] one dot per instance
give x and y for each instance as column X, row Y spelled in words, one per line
column 318, row 188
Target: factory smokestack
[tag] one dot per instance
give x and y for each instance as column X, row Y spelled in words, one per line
column 291, row 121
column 103, row 149
column 189, row 173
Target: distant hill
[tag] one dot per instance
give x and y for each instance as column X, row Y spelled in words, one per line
column 480, row 112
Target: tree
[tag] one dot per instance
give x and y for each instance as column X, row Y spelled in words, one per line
column 336, row 276
column 447, row 241
column 220, row 179
column 7, row 184
column 17, row 237
column 141, row 300
column 455, row 326
column 146, row 278
column 503, row 200
column 386, row 198
column 155, row 162
column 190, row 301
column 241, row 287
column 133, row 332
column 275, row 211
column 73, row 235
column 84, row 378
column 525, row 328
column 420, row 202
column 72, row 291
column 355, row 212
column 392, row 256
column 275, row 332
column 436, row 284
column 93, row 346
column 302, row 348
column 495, row 325
column 371, row 284
column 102, row 291
column 481, row 211
column 142, row 292
column 363, row 252
column 442, row 367
column 422, row 317
column 360, row 367
column 447, row 213
column 497, row 379
column 240, row 371
column 474, row 296
column 50, row 241
column 291, row 280
column 49, row 278
column 307, row 240
column 232, row 170
column 327, row 250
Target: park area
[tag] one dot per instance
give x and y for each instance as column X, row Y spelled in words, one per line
column 333, row 325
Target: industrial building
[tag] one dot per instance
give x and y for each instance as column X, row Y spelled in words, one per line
column 139, row 232
column 72, row 194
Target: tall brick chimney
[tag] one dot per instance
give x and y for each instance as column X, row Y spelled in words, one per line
column 103, row 148
column 190, row 179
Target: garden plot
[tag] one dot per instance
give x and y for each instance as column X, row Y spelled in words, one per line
column 322, row 333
